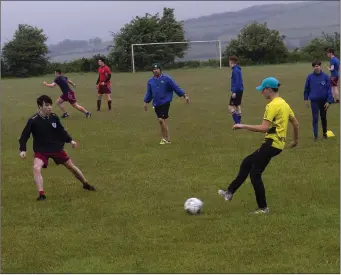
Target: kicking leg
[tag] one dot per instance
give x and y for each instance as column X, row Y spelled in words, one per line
column 243, row 173
column 38, row 178
column 78, row 174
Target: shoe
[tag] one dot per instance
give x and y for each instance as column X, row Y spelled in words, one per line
column 65, row 115
column 88, row 114
column 227, row 195
column 325, row 136
column 261, row 211
column 316, row 138
column 89, row 187
column 41, row 198
column 164, row 141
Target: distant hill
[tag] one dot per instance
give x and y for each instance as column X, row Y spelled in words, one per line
column 299, row 22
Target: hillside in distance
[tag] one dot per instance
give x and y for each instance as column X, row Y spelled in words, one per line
column 299, row 22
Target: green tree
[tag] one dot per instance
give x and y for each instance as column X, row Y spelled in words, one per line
column 26, row 53
column 317, row 47
column 148, row 29
column 257, row 44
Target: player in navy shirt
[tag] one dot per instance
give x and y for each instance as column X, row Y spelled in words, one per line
column 49, row 138
column 334, row 74
column 67, row 94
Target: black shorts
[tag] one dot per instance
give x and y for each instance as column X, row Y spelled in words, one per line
column 162, row 110
column 237, row 100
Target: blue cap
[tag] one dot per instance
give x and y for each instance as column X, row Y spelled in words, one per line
column 269, row 82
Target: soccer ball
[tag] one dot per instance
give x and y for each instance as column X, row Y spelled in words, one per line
column 193, row 206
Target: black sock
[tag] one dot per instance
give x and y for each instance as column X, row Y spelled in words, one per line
column 109, row 104
column 98, row 104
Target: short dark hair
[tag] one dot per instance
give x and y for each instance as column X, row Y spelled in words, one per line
column 234, row 59
column 42, row 99
column 316, row 62
column 329, row 50
column 59, row 71
column 101, row 59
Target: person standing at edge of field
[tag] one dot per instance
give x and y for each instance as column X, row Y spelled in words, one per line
column 237, row 89
column 103, row 84
column 68, row 95
column 275, row 123
column 49, row 137
column 334, row 69
column 317, row 89
column 160, row 89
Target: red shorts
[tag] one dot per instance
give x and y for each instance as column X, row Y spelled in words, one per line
column 58, row 157
column 70, row 97
column 105, row 89
column 333, row 81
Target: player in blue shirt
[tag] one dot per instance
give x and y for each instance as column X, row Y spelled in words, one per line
column 160, row 89
column 237, row 89
column 67, row 94
column 317, row 89
column 334, row 74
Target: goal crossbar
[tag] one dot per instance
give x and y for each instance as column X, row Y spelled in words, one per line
column 179, row 42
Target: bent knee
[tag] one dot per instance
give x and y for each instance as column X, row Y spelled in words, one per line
column 37, row 168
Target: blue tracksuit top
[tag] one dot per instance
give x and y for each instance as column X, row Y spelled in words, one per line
column 317, row 87
column 160, row 90
column 237, row 80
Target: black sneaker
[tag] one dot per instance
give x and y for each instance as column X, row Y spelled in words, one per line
column 65, row 115
column 325, row 136
column 88, row 114
column 41, row 198
column 89, row 187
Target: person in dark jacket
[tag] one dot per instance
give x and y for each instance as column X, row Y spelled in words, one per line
column 49, row 138
column 317, row 89
column 237, row 89
column 160, row 89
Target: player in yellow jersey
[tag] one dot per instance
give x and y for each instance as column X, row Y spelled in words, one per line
column 275, row 123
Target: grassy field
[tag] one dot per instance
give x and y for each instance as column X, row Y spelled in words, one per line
column 135, row 223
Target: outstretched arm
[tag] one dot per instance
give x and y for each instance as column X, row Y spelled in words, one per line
column 53, row 84
column 261, row 128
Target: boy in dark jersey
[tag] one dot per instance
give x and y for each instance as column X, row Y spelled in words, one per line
column 49, row 137
column 68, row 95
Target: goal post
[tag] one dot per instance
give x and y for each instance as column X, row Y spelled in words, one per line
column 170, row 43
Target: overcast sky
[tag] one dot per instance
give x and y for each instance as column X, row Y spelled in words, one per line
column 87, row 19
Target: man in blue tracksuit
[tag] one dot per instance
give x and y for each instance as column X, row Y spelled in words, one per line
column 317, row 89
column 237, row 89
column 160, row 89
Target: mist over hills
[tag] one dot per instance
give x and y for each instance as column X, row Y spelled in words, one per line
column 299, row 22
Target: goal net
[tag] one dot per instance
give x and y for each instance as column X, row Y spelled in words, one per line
column 199, row 53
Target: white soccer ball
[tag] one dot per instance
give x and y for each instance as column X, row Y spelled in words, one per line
column 193, row 206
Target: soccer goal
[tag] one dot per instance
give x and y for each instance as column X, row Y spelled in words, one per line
column 194, row 44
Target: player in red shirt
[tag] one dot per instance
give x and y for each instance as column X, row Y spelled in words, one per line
column 103, row 84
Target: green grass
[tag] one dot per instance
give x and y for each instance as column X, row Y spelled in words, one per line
column 135, row 223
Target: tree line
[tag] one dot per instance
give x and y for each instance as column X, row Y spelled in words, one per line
column 27, row 53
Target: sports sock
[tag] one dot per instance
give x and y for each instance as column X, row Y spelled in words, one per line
column 239, row 117
column 98, row 104
column 41, row 193
column 109, row 104
column 235, row 117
